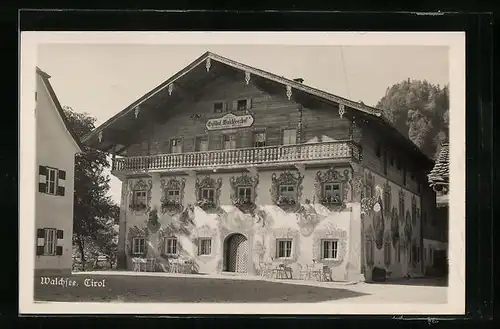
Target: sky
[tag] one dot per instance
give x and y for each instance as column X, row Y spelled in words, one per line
column 102, row 80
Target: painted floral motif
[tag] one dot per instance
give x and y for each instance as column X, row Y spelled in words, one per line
column 288, row 179
column 330, row 232
column 172, row 204
column 387, row 204
column 141, row 185
column 408, row 227
column 357, row 184
column 308, row 219
column 261, row 217
column 401, row 205
column 394, row 226
column 369, row 250
column 332, row 176
column 208, row 183
column 414, row 210
column 153, row 223
column 245, row 203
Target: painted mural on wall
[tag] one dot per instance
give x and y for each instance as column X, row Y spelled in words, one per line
column 286, row 190
column 330, row 232
column 244, row 192
column 153, row 221
column 140, row 196
column 394, row 227
column 207, row 190
column 387, row 249
column 332, row 188
column 408, row 229
column 308, row 219
column 172, row 195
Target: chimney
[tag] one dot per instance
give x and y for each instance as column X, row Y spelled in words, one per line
column 299, row 80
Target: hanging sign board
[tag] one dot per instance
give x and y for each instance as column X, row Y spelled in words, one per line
column 230, row 121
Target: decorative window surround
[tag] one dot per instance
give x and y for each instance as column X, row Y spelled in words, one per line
column 246, row 205
column 208, row 183
column 286, row 179
column 387, row 249
column 387, row 200
column 204, row 246
column 414, row 210
column 172, row 204
column 201, row 233
column 140, row 185
column 408, row 227
column 329, row 178
column 171, row 246
column 138, row 246
column 285, row 234
column 136, row 232
column 330, row 232
column 329, row 249
column 394, row 226
column 284, row 249
column 369, row 249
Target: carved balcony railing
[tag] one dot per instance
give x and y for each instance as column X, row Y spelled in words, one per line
column 282, row 154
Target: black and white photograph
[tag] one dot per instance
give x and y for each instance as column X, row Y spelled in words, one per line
column 242, row 173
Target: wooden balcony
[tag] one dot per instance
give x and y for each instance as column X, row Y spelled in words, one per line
column 240, row 158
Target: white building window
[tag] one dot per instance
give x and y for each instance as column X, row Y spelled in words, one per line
column 245, row 193
column 50, row 241
column 204, row 246
column 289, row 137
column 207, row 193
column 171, row 246
column 284, row 248
column 139, row 198
column 173, row 195
column 332, row 192
column 51, row 181
column 329, row 249
column 138, row 246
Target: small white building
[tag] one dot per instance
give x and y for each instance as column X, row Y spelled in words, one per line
column 56, row 146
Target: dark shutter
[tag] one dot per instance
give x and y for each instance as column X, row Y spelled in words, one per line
column 40, row 234
column 249, row 103
column 60, row 190
column 62, row 174
column 42, row 171
column 60, row 234
column 59, row 250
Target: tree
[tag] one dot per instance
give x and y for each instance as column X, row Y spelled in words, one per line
column 94, row 210
column 420, row 111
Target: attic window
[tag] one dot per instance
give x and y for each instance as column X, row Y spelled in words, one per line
column 218, row 107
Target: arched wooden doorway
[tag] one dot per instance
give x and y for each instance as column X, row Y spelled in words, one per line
column 236, row 253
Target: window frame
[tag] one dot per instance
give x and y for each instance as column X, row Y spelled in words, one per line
column 283, row 135
column 286, row 248
column 50, row 232
column 178, row 144
column 255, row 134
column 334, row 249
column 231, row 140
column 135, row 198
column 340, row 191
column 177, row 196
column 55, row 171
column 246, row 188
column 198, row 143
column 200, row 246
column 171, row 247
column 210, row 189
column 138, row 245
column 239, row 102
column 287, row 186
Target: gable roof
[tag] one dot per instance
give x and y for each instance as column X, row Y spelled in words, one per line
column 440, row 174
column 45, row 78
column 371, row 113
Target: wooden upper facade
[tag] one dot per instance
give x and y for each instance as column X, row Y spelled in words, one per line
column 217, row 113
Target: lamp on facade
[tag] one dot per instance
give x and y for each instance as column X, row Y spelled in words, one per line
column 289, row 92
column 341, row 110
column 100, row 136
column 136, row 112
column 208, row 64
column 170, row 89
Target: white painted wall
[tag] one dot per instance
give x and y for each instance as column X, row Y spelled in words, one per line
column 55, row 148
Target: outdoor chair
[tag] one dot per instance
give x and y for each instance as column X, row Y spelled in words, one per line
column 173, row 265
column 188, row 267
column 326, row 274
column 150, row 264
column 304, row 272
column 316, row 273
column 266, row 270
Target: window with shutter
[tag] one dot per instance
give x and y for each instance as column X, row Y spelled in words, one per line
column 42, row 179
column 289, row 137
column 50, row 242
column 61, row 182
column 241, row 105
column 40, row 243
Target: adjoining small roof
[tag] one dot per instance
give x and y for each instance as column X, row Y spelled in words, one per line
column 45, row 77
column 440, row 174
